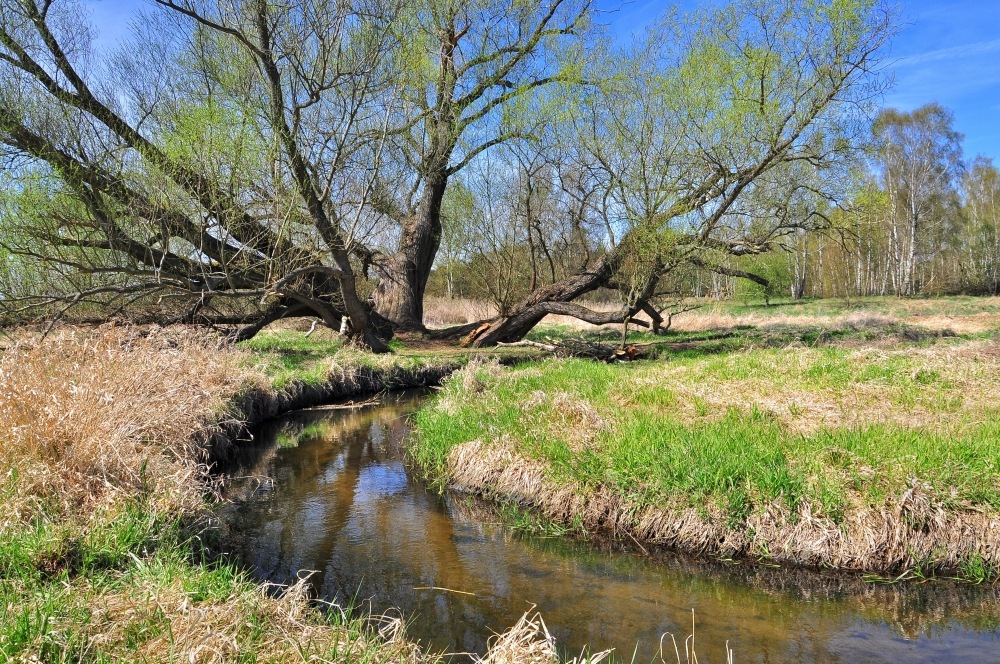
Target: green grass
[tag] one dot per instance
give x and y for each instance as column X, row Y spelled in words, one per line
column 292, row 436
column 704, row 429
column 289, row 355
column 136, row 588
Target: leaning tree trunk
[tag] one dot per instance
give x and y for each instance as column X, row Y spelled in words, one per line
column 545, row 300
column 360, row 315
column 399, row 296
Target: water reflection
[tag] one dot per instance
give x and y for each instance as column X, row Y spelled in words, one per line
column 328, row 493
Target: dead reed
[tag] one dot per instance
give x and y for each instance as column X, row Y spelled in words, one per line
column 961, row 315
column 529, row 642
column 442, row 311
column 94, row 419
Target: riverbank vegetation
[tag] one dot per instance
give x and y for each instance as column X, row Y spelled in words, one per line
column 780, row 441
column 105, row 504
column 856, row 441
column 107, row 501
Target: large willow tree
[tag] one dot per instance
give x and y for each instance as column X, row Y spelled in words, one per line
column 240, row 161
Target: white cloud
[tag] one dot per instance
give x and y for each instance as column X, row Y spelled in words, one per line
column 951, row 53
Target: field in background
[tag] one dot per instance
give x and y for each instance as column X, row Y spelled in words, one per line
column 958, row 314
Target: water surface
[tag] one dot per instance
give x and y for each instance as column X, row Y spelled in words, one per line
column 326, row 493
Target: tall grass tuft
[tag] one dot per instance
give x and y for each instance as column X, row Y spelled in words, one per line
column 529, row 642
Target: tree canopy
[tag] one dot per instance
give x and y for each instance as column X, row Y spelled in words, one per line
column 241, row 161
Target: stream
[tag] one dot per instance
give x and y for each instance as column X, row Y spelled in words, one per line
column 326, row 492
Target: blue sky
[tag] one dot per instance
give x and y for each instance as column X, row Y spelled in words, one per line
column 948, row 51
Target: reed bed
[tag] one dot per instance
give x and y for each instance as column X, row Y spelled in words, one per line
column 97, row 419
column 529, row 642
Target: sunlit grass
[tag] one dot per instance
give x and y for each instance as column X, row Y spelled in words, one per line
column 749, row 427
column 136, row 590
column 287, row 355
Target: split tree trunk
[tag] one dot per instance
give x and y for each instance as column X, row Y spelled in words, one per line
column 399, row 297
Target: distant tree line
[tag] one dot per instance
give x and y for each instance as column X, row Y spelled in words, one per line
column 915, row 219
column 920, row 220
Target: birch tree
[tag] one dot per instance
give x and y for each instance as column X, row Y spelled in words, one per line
column 920, row 156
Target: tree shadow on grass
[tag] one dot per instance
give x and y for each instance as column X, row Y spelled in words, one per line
column 715, row 341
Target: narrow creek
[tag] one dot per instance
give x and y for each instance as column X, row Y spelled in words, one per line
column 327, row 492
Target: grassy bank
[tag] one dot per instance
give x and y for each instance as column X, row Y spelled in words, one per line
column 868, row 448
column 105, row 502
column 107, row 498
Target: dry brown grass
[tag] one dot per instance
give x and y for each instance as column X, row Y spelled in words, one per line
column 961, row 316
column 224, row 630
column 529, row 642
column 913, row 530
column 159, row 619
column 929, row 314
column 95, row 417
column 442, row 312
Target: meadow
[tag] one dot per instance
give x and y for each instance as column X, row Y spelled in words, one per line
column 861, row 437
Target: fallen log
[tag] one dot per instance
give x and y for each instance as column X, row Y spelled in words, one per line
column 581, row 348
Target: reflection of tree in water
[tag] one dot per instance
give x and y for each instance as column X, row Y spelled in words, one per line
column 254, row 458
column 314, row 509
column 331, row 444
column 913, row 608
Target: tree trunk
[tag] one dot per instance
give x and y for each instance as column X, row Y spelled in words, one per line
column 800, row 267
column 911, row 257
column 526, row 315
column 363, row 330
column 399, row 296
